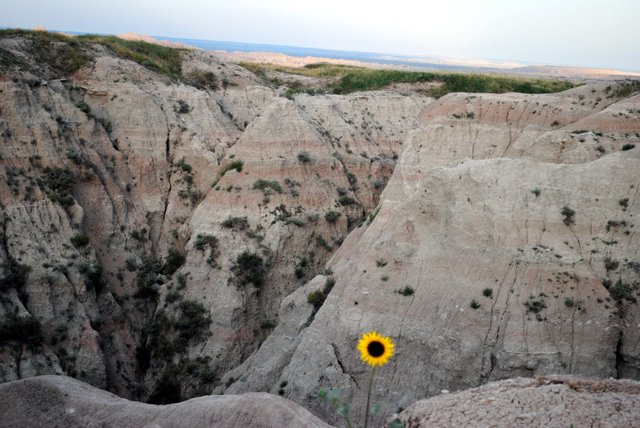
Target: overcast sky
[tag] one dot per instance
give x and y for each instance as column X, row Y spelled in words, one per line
column 598, row 33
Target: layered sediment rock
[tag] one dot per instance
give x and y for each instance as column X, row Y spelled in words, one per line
column 163, row 235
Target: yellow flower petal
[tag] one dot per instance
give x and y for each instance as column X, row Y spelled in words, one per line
column 375, row 349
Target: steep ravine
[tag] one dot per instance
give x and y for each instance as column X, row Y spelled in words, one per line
column 161, row 237
column 129, row 177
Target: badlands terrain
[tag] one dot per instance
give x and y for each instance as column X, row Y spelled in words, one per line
column 175, row 225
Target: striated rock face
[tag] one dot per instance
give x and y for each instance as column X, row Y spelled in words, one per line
column 553, row 401
column 504, row 245
column 116, row 185
column 167, row 238
column 63, row 401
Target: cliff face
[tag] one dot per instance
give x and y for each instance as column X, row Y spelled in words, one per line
column 504, row 246
column 164, row 235
column 128, row 199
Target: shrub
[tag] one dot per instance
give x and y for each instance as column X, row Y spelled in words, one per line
column 25, row 331
column 184, row 166
column 57, row 183
column 295, row 221
column 317, row 297
column 265, row 185
column 84, row 107
column 624, row 203
column 488, row 292
column 204, row 241
column 332, row 216
column 202, row 80
column 172, row 296
column 194, row 196
column 536, row 305
column 106, row 124
column 406, row 291
column 236, row 164
column 182, row 280
column 193, row 322
column 172, row 262
column 323, row 243
column 80, row 240
column 182, row 107
column 299, row 270
column 569, row 302
column 249, row 269
column 568, row 214
column 377, row 183
column 147, row 277
column 614, row 224
column 14, row 274
column 93, row 276
column 610, row 264
column 304, row 157
column 346, row 200
column 139, row 235
column 622, row 291
column 167, row 389
column 236, row 223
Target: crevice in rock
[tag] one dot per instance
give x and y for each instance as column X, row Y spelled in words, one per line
column 227, row 113
column 337, row 355
column 620, row 363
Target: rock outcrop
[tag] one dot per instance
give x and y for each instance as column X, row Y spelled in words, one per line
column 504, row 245
column 553, row 401
column 60, row 401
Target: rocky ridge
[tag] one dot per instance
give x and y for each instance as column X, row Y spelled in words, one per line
column 551, row 401
column 62, row 401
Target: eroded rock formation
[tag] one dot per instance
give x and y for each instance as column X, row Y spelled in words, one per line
column 161, row 237
column 551, row 401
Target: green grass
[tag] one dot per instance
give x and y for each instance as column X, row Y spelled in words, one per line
column 346, row 79
column 62, row 53
column 160, row 59
column 67, row 54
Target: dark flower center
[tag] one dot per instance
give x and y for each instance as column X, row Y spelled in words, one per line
column 375, row 349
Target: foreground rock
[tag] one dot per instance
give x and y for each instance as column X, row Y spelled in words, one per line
column 63, row 401
column 554, row 401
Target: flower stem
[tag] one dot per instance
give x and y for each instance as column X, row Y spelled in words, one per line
column 366, row 415
column 348, row 422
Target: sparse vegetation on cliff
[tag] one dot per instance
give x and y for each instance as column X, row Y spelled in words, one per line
column 249, row 269
column 67, row 54
column 317, row 297
column 161, row 59
column 58, row 183
column 27, row 331
column 267, row 185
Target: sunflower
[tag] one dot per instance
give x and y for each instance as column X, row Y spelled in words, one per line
column 375, row 350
